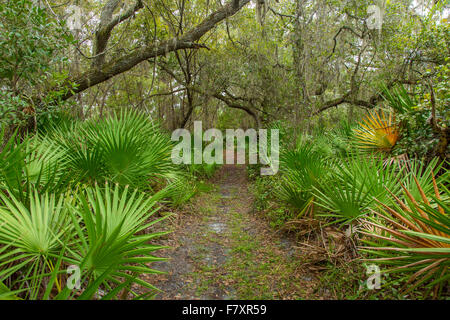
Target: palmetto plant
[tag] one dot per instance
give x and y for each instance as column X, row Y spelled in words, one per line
column 344, row 198
column 303, row 170
column 181, row 189
column 44, row 162
column 333, row 143
column 30, row 237
column 53, row 214
column 114, row 247
column 413, row 236
column 127, row 148
column 355, row 182
column 398, row 98
column 32, row 164
column 6, row 293
column 84, row 161
column 132, row 147
column 12, row 157
column 102, row 231
column 377, row 132
column 422, row 172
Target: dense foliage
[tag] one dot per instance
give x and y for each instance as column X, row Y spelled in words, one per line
column 56, row 210
column 91, row 91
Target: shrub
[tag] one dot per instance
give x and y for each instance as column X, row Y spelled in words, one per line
column 413, row 236
column 303, row 170
column 102, row 231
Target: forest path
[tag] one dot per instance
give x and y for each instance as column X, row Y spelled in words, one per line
column 220, row 250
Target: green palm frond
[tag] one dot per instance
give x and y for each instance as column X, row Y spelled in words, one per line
column 113, row 245
column 398, row 99
column 303, row 169
column 356, row 181
column 30, row 236
column 127, row 148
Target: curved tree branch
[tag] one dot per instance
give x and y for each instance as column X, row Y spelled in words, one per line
column 107, row 23
column 230, row 101
column 96, row 75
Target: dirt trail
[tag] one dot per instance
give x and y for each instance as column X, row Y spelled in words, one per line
column 221, row 250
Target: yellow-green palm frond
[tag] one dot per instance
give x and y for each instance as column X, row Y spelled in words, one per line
column 377, row 132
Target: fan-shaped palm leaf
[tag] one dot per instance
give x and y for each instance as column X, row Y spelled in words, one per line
column 377, row 133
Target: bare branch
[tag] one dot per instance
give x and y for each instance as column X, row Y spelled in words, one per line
column 337, row 35
column 231, row 102
column 349, row 98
